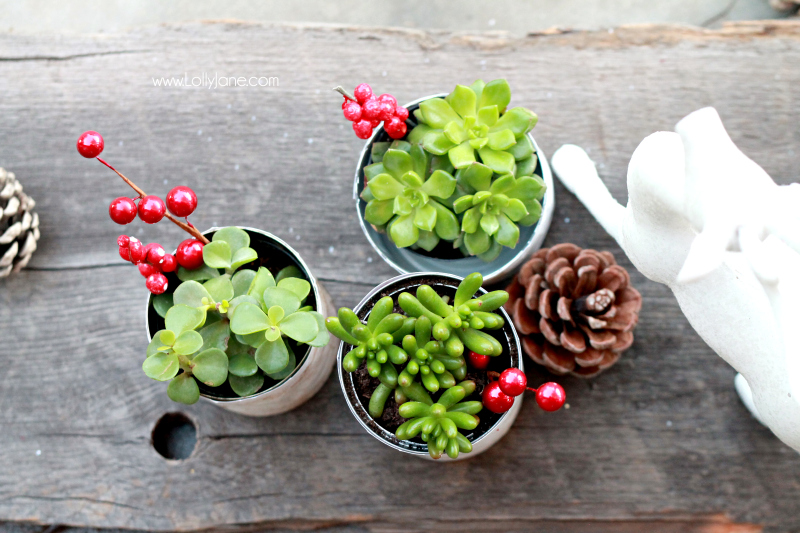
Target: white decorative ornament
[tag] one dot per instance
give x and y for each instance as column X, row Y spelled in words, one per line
column 705, row 220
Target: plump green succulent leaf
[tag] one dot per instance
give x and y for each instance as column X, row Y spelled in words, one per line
column 519, row 120
column 488, row 115
column 243, row 256
column 301, row 326
column 496, row 92
column 217, row 254
column 211, row 367
column 500, row 162
column 272, row 333
column 288, row 369
column 417, row 134
column 523, row 148
column 455, row 133
column 248, row 319
column 378, row 149
column 515, row 210
column 323, row 337
column 290, row 271
column 428, row 240
column 183, row 389
column 216, row 335
column 490, row 224
column 238, row 300
column 247, row 385
column 470, row 223
column 236, row 238
column 162, row 339
column 379, row 212
column 501, row 140
column 527, row 166
column 447, row 226
column 219, row 288
column 162, row 303
column 298, row 286
column 463, row 101
column 436, row 142
column 188, row 343
column 403, row 231
column 440, row 184
column 477, row 242
column 492, row 253
column 411, row 179
column 385, row 187
column 534, row 214
column 275, row 314
column 253, row 340
column 419, row 159
column 272, row 356
column 161, row 366
column 284, row 298
column 402, row 205
column 508, row 232
column 198, row 274
column 425, row 217
column 462, row 155
column 182, row 318
column 437, row 113
column 397, row 163
column 191, row 293
column 241, row 281
column 477, row 176
column 262, row 280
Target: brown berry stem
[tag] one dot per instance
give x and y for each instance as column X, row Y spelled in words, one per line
column 339, row 89
column 191, row 230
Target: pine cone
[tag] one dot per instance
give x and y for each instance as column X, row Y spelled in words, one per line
column 19, row 225
column 574, row 309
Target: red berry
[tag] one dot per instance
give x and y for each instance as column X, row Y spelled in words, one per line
column 352, row 112
column 125, row 253
column 395, row 128
column 90, row 144
column 478, row 361
column 551, row 396
column 513, row 381
column 401, row 113
column 155, row 253
column 169, row 264
column 386, row 111
column 346, row 100
column 375, row 123
column 362, row 93
column 137, row 251
column 371, row 110
column 190, row 254
column 122, row 210
column 156, row 283
column 147, row 270
column 151, row 209
column 123, row 240
column 363, row 129
column 495, row 399
column 388, row 98
column 181, row 201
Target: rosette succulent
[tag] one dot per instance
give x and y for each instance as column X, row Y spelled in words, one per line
column 402, row 188
column 472, row 123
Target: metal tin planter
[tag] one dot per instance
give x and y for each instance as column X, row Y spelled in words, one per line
column 405, row 260
column 492, row 427
column 313, row 367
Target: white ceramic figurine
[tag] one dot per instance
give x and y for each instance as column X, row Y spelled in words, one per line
column 710, row 223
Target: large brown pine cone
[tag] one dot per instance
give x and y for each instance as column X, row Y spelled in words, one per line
column 19, row 225
column 574, row 309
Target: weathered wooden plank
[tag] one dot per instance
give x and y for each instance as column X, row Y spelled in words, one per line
column 659, row 442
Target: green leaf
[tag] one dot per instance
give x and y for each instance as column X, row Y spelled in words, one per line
column 489, row 223
column 191, row 293
column 418, row 133
column 508, row 232
column 428, row 240
column 370, row 171
column 296, row 285
column 198, row 274
column 477, row 87
column 236, row 238
column 487, row 116
column 379, row 212
column 301, row 327
column 161, row 366
column 281, row 297
column 496, row 92
column 162, row 303
column 276, row 314
column 188, row 343
column 515, row 210
column 288, row 369
column 500, row 162
column 254, row 340
column 403, row 231
column 477, row 176
column 219, row 288
column 447, row 226
column 522, row 149
column 463, row 203
column 272, row 333
column 463, row 101
column 503, row 184
column 378, row 149
column 528, row 188
column 436, row 142
column 242, row 365
column 248, row 318
column 477, row 242
column 385, row 187
column 272, row 356
column 237, row 301
column 419, row 159
column 211, row 367
column 290, row 271
column 217, row 254
column 492, row 253
column 183, row 389
column 243, row 256
column 411, row 179
column 323, row 336
column 501, row 140
column 241, row 281
column 440, row 184
column 438, row 113
column 183, row 318
column 462, row 155
column 425, row 217
column 527, row 166
column 534, row 213
column 397, row 163
column 471, row 220
column 519, row 120
column 455, row 133
column 216, row 335
column 161, row 339
column 245, row 386
column 262, row 280
column 402, row 205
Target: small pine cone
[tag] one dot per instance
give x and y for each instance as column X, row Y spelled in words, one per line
column 574, row 309
column 19, row 225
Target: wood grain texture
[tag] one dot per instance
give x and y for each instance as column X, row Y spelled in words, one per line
column 660, row 442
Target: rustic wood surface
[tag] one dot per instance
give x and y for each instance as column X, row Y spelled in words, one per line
column 658, row 443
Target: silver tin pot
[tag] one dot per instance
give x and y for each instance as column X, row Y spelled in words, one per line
column 492, row 427
column 405, row 260
column 313, row 368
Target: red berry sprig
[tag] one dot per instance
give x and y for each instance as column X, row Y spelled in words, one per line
column 152, row 261
column 366, row 111
column 498, row 396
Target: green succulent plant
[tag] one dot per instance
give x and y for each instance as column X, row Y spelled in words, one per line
column 231, row 326
column 431, row 362
column 472, row 123
column 402, row 188
column 438, row 424
column 492, row 208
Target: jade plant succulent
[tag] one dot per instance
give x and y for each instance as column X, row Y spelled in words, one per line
column 464, row 174
column 420, row 354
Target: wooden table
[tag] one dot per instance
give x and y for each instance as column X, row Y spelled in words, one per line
column 658, row 443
